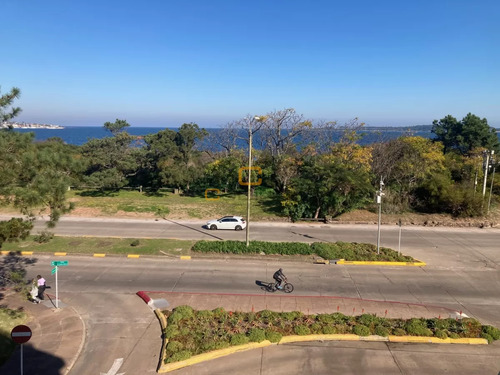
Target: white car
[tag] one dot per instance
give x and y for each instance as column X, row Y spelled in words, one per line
column 227, row 222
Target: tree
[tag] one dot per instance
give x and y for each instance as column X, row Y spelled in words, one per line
column 466, row 135
column 35, row 177
column 172, row 158
column 116, row 127
column 111, row 161
column 6, row 100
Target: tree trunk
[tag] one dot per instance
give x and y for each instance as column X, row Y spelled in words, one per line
column 316, row 214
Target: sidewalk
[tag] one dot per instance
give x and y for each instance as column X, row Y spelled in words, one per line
column 306, row 304
column 57, row 337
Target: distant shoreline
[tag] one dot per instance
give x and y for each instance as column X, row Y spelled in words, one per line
column 23, row 125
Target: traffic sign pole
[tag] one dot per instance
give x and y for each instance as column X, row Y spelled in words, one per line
column 21, row 334
column 56, row 264
column 57, row 293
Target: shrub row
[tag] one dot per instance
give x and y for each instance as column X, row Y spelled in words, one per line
column 193, row 332
column 338, row 250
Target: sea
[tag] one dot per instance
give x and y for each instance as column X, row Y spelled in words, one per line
column 79, row 135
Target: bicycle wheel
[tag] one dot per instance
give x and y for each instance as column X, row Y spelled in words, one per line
column 288, row 288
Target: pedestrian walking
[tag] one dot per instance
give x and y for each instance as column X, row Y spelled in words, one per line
column 34, row 291
column 41, row 287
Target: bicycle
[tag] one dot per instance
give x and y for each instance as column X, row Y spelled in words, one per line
column 273, row 287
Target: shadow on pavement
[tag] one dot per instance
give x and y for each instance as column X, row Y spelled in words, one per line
column 195, row 229
column 35, row 362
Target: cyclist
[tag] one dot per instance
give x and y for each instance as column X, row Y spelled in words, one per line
column 280, row 278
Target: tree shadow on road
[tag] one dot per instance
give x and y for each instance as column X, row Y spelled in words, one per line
column 35, row 362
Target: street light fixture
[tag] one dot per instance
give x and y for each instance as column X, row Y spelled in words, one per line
column 379, row 202
column 256, row 118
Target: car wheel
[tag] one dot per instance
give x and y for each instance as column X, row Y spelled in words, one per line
column 238, row 227
column 213, row 227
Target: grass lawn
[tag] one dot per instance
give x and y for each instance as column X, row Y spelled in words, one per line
column 175, row 205
column 8, row 320
column 90, row 245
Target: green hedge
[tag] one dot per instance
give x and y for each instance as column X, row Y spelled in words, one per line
column 351, row 251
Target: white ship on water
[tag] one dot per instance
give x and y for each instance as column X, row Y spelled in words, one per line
column 26, row 125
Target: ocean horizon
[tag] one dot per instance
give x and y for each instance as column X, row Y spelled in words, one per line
column 79, row 135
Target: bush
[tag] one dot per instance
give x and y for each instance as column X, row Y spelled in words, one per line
column 174, row 346
column 257, row 335
column 135, row 243
column 171, row 331
column 255, row 247
column 325, row 318
column 316, row 328
column 302, row 330
column 487, row 337
column 43, row 236
column 239, row 339
column 179, row 356
column 185, row 311
column 492, row 331
column 361, row 330
column 291, row 316
column 267, row 314
column 381, row 331
column 204, row 314
column 399, row 332
column 418, row 327
column 329, row 330
column 367, row 319
column 273, row 336
column 441, row 334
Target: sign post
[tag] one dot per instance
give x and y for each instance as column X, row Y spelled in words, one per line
column 56, row 264
column 21, row 334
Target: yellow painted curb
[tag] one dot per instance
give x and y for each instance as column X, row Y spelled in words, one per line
column 333, row 337
column 99, row 255
column 185, row 257
column 133, row 256
column 26, row 252
column 5, row 252
column 212, row 355
column 60, row 254
column 163, row 324
column 436, row 340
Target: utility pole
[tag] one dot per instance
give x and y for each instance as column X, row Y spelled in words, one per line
column 249, row 181
column 249, row 191
column 486, row 166
column 492, row 179
column 379, row 202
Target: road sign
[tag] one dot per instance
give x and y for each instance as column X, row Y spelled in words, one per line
column 59, row 263
column 54, row 270
column 20, row 334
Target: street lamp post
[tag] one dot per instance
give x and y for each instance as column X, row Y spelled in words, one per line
column 379, row 202
column 249, row 191
column 492, row 179
column 486, row 166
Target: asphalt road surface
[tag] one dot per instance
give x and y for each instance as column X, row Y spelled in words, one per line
column 463, row 274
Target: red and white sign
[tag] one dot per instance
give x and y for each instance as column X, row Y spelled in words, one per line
column 20, row 334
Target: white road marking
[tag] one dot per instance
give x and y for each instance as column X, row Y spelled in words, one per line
column 114, row 369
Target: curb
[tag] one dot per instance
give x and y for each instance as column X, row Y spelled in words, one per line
column 211, row 355
column 417, row 263
column 95, row 255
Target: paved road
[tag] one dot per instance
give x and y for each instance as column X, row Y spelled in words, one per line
column 462, row 273
column 102, row 291
column 462, row 247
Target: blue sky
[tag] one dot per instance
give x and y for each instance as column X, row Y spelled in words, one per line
column 165, row 62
